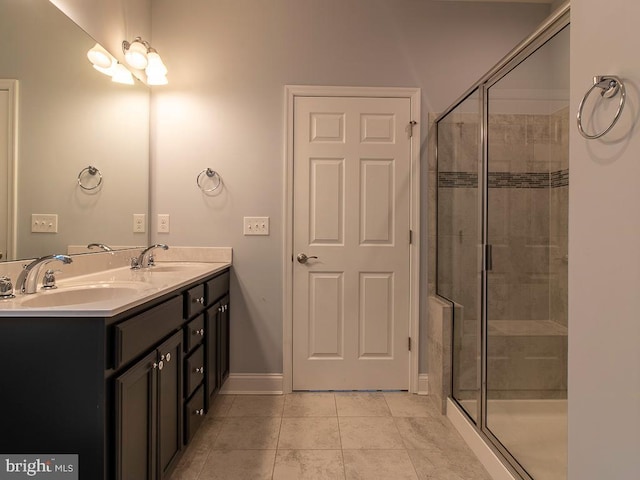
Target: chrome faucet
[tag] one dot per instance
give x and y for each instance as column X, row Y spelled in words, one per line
column 104, row 247
column 28, row 279
column 145, row 259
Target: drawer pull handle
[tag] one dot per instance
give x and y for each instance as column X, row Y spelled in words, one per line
column 199, row 369
column 199, row 300
column 199, row 411
column 199, row 332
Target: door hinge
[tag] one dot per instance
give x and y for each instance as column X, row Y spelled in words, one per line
column 488, row 256
column 412, row 123
column 410, row 237
column 409, row 344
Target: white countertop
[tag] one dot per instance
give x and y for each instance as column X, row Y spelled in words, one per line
column 130, row 288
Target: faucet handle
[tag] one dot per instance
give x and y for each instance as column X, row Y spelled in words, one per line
column 135, row 263
column 6, row 287
column 49, row 279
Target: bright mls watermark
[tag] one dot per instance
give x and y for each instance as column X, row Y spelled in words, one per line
column 44, row 467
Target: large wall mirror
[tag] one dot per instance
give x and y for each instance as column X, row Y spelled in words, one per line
column 69, row 117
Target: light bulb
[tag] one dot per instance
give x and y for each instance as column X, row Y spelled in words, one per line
column 107, row 71
column 157, row 79
column 122, row 75
column 136, row 55
column 99, row 56
column 155, row 66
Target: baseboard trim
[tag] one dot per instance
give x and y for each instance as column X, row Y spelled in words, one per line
column 487, row 457
column 253, row 384
column 423, row 384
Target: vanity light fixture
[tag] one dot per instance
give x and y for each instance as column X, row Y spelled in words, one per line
column 104, row 62
column 140, row 54
column 135, row 53
column 99, row 57
column 156, row 70
column 122, row 75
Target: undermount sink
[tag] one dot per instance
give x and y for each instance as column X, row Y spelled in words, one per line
column 79, row 295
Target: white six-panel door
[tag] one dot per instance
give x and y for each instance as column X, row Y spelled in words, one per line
column 352, row 172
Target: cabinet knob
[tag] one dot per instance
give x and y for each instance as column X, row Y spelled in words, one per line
column 199, row 411
column 167, row 357
column 221, row 309
column 160, row 365
column 199, row 332
column 199, row 370
column 199, row 300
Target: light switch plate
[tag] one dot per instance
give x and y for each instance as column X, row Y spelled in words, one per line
column 256, row 226
column 44, row 223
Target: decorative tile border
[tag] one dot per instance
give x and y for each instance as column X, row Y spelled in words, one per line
column 559, row 178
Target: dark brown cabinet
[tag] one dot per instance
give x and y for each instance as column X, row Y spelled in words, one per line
column 124, row 393
column 148, row 413
column 207, row 366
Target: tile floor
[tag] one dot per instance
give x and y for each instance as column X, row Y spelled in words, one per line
column 300, row 436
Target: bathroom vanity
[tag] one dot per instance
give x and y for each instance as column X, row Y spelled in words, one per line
column 122, row 383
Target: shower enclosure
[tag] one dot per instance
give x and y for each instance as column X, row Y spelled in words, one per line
column 502, row 223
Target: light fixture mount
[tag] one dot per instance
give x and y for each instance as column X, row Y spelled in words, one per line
column 140, row 55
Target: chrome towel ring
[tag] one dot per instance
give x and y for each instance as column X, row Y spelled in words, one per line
column 210, row 174
column 609, row 85
column 91, row 171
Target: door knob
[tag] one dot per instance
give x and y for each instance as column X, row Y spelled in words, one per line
column 302, row 258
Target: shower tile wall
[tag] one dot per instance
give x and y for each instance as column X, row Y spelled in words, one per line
column 528, row 185
column 528, row 199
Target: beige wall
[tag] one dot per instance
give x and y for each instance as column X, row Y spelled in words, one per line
column 224, row 109
column 604, row 258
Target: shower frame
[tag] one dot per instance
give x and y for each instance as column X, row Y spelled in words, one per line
column 548, row 29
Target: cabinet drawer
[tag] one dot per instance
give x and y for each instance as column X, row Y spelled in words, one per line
column 193, row 414
column 217, row 287
column 194, row 333
column 195, row 370
column 134, row 336
column 194, row 301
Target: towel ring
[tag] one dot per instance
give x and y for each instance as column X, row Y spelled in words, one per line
column 92, row 171
column 610, row 86
column 211, row 174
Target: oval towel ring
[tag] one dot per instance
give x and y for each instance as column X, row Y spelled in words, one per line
column 211, row 174
column 92, row 171
column 610, row 85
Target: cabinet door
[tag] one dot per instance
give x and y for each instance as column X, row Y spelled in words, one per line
column 223, row 341
column 170, row 357
column 136, row 413
column 211, row 352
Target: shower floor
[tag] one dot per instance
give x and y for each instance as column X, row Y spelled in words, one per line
column 534, row 431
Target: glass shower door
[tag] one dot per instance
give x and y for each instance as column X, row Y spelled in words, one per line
column 459, row 239
column 527, row 227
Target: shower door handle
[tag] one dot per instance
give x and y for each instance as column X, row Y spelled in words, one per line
column 488, row 257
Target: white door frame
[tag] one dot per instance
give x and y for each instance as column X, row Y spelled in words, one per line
column 12, row 159
column 292, row 91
